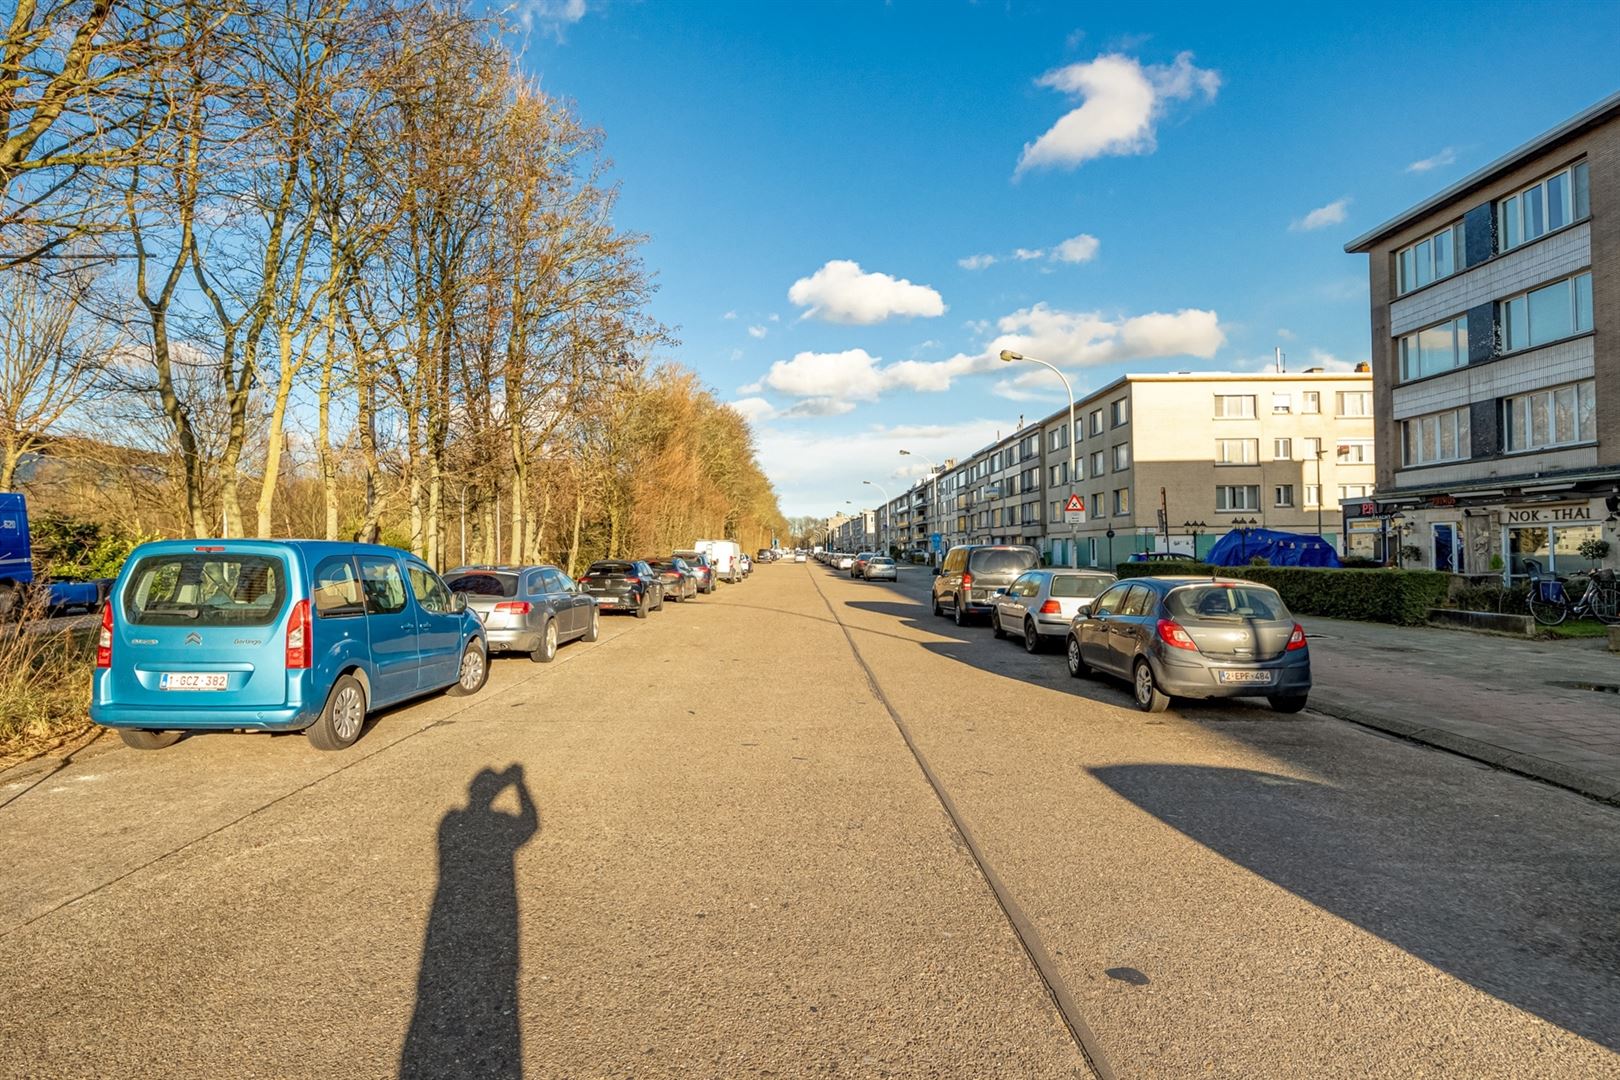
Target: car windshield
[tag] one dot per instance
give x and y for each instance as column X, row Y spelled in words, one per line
column 483, row 584
column 1001, row 561
column 205, row 589
column 602, row 569
column 1083, row 585
column 1233, row 602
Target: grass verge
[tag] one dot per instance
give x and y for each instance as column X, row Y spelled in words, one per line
column 1585, row 628
column 44, row 686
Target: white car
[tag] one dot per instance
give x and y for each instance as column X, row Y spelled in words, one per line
column 1039, row 605
column 800, row 557
column 845, row 562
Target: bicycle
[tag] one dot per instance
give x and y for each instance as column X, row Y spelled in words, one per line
column 1550, row 604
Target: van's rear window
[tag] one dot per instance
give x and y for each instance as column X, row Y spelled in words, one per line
column 205, row 589
column 1001, row 561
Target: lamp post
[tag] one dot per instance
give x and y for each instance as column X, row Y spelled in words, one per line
column 1110, row 535
column 1319, row 453
column 1008, row 356
column 1193, row 527
column 885, row 526
column 933, row 502
column 1243, row 525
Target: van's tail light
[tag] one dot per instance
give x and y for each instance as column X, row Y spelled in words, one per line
column 104, row 642
column 1051, row 607
column 298, row 634
column 1296, row 640
column 516, row 607
column 967, row 579
column 1171, row 633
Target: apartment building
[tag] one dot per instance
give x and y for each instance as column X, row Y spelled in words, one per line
column 1495, row 316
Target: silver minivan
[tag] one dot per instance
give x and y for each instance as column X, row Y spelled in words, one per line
column 972, row 573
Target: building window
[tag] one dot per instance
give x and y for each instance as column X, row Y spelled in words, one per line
column 1231, row 498
column 1122, row 502
column 1546, row 314
column 1439, row 348
column 1059, row 438
column 1234, row 406
column 1237, row 451
column 1282, row 403
column 1561, row 416
column 1097, row 468
column 1097, row 503
column 1431, row 259
column 1121, row 412
column 1542, row 207
column 1355, row 451
column 1359, row 402
column 1439, row 436
column 1313, row 494
column 1030, row 446
column 1059, row 473
column 1282, row 450
column 1055, row 510
column 1032, row 513
column 1313, row 447
column 1122, row 456
column 1096, row 421
column 1283, row 496
column 1029, row 480
column 1354, row 491
column 1310, row 401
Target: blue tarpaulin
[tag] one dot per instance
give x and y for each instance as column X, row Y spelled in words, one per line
column 1277, row 548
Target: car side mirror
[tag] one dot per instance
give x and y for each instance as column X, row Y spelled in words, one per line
column 1085, row 609
column 999, row 592
column 936, row 571
column 458, row 602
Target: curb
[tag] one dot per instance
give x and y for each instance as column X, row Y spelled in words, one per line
column 1537, row 768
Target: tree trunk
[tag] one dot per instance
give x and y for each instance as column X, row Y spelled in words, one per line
column 573, row 548
column 323, row 436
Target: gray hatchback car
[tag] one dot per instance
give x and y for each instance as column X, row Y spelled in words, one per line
column 527, row 609
column 1194, row 638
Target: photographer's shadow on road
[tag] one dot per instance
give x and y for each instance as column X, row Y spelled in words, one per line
column 467, row 1022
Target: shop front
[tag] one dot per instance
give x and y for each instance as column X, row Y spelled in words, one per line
column 1479, row 535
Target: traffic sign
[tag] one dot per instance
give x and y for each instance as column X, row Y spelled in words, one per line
column 1074, row 511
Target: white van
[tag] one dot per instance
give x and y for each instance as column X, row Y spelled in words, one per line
column 726, row 558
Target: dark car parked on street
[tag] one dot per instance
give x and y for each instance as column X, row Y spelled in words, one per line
column 624, row 585
column 971, row 574
column 701, row 568
column 678, row 580
column 1194, row 638
column 526, row 609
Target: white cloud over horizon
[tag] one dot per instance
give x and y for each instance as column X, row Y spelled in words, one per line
column 976, row 262
column 757, row 332
column 1077, row 249
column 1436, row 161
column 1333, row 213
column 842, row 292
column 1121, row 103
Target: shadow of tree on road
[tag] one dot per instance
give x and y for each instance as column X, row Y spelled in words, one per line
column 1539, row 936
column 467, row 1021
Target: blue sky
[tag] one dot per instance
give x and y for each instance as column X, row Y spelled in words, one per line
column 1144, row 188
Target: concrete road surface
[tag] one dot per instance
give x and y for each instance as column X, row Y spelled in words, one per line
column 707, row 846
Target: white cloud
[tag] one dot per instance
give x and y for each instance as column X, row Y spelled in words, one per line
column 1077, row 249
column 976, row 262
column 841, row 292
column 1444, row 157
column 1008, row 389
column 1285, row 334
column 1323, row 216
column 774, row 317
column 1323, row 359
column 729, row 315
column 827, row 383
column 1121, row 104
column 1028, row 254
column 550, row 15
column 754, row 409
column 757, row 331
column 819, row 406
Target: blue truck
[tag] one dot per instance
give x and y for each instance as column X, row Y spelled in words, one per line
column 17, row 567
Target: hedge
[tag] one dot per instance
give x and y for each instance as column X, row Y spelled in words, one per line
column 1403, row 597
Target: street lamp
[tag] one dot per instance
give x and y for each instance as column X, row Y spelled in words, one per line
column 885, row 495
column 1008, row 356
column 1194, row 526
column 1243, row 525
column 933, row 502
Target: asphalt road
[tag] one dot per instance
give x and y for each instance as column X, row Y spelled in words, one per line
column 722, row 857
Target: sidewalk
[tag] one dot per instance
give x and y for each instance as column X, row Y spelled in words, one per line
column 1514, row 704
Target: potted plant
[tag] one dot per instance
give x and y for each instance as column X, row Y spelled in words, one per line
column 1594, row 549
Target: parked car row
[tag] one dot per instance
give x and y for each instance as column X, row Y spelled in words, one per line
column 312, row 636
column 1169, row 637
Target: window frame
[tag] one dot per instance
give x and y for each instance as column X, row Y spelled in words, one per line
column 1505, row 319
column 1282, row 496
column 1225, row 490
column 1249, row 444
column 1457, row 245
column 1577, row 181
column 1461, row 423
column 1584, row 390
column 1222, row 414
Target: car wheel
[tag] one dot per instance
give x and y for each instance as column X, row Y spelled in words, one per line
column 1290, row 704
column 595, row 629
column 1149, row 698
column 1032, row 637
column 958, row 616
column 643, row 607
column 939, row 612
column 474, row 670
column 1078, row 668
column 343, row 717
column 546, row 651
column 995, row 625
column 148, row 740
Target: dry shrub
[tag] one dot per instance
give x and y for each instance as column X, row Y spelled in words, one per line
column 45, row 673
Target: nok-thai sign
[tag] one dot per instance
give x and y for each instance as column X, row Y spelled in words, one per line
column 1556, row 514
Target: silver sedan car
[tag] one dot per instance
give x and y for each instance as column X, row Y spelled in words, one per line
column 1194, row 638
column 1039, row 604
column 527, row 609
column 881, row 568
